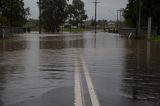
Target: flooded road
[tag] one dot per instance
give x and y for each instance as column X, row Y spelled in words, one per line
column 79, row 69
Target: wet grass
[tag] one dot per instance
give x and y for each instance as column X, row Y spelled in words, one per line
column 75, row 30
column 155, row 38
column 7, row 36
column 35, row 29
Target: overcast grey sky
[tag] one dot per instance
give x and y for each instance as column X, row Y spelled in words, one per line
column 106, row 8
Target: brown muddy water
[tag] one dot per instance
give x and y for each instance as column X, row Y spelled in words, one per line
column 125, row 72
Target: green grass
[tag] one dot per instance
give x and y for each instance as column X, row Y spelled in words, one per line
column 8, row 36
column 75, row 30
column 155, row 38
column 35, row 29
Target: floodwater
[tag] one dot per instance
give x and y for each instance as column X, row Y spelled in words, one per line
column 38, row 70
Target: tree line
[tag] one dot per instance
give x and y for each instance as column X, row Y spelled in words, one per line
column 54, row 13
column 148, row 8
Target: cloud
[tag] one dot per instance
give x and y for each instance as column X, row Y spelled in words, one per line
column 32, row 4
column 106, row 9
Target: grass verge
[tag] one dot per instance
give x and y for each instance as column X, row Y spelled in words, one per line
column 74, row 30
column 155, row 38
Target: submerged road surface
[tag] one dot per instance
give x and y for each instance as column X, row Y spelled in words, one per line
column 80, row 69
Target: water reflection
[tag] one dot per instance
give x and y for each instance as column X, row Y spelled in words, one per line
column 141, row 80
column 11, row 44
column 31, row 65
column 61, row 42
column 148, row 53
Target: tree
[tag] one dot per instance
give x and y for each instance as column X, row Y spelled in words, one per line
column 54, row 14
column 148, row 8
column 130, row 13
column 3, row 19
column 70, row 13
column 13, row 13
column 77, row 13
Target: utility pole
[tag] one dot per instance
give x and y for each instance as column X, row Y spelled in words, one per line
column 11, row 12
column 121, row 13
column 150, row 20
column 70, row 25
column 40, row 14
column 139, row 18
column 117, row 20
column 120, row 18
column 149, row 26
column 96, row 15
column 136, row 18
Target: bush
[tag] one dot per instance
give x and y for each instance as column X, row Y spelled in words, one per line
column 3, row 21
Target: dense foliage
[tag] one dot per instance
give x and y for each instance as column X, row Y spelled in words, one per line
column 13, row 13
column 148, row 8
column 77, row 13
column 54, row 14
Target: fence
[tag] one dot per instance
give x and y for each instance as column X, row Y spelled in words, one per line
column 143, row 32
column 10, row 30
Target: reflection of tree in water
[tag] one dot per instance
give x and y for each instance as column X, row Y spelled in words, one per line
column 12, row 44
column 142, row 79
column 8, row 70
column 57, row 65
column 61, row 42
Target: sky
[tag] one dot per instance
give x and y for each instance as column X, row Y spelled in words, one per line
column 106, row 9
